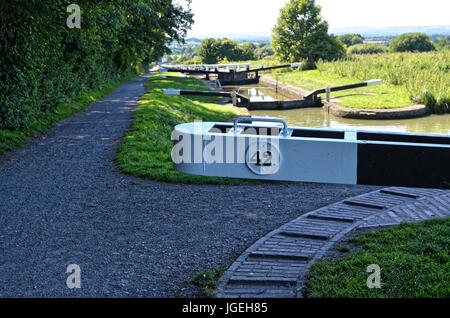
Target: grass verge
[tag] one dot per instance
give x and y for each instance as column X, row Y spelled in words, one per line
column 414, row 261
column 146, row 149
column 207, row 280
column 10, row 139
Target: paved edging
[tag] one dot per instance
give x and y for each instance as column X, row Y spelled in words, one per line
column 277, row 264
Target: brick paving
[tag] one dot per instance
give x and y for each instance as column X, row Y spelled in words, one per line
column 277, row 264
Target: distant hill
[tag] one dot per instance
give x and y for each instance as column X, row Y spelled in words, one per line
column 193, row 40
column 393, row 31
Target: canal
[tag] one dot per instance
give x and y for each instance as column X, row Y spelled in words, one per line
column 317, row 117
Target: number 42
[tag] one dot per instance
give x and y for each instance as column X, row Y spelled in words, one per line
column 266, row 160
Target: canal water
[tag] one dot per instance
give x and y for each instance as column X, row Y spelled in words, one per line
column 317, row 117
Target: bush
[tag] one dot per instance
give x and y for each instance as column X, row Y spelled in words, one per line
column 442, row 44
column 351, row 39
column 411, row 42
column 368, row 48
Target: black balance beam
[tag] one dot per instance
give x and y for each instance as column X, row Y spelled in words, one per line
column 342, row 87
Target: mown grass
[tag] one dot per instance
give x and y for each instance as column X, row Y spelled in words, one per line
column 414, row 261
column 146, row 149
column 10, row 139
column 375, row 97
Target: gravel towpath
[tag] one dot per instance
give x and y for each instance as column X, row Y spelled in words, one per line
column 63, row 201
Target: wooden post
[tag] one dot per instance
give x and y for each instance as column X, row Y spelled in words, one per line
column 276, row 87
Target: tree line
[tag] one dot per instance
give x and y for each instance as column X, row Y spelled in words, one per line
column 212, row 51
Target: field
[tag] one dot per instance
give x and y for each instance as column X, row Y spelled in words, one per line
column 409, row 78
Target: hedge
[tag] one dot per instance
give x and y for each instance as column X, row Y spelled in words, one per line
column 44, row 63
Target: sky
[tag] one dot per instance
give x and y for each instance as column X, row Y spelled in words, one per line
column 214, row 17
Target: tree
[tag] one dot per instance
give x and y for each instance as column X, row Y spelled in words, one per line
column 229, row 49
column 263, row 52
column 301, row 34
column 350, row 39
column 212, row 51
column 209, row 51
column 411, row 42
column 247, row 52
column 368, row 48
column 442, row 44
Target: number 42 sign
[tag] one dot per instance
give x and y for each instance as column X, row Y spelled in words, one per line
column 263, row 158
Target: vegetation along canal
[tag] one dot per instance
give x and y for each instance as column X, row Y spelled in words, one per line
column 317, row 117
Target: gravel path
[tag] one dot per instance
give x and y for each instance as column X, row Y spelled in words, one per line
column 63, row 201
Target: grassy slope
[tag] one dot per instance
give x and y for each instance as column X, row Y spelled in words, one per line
column 10, row 139
column 414, row 261
column 146, row 149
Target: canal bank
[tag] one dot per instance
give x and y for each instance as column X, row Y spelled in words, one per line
column 332, row 107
